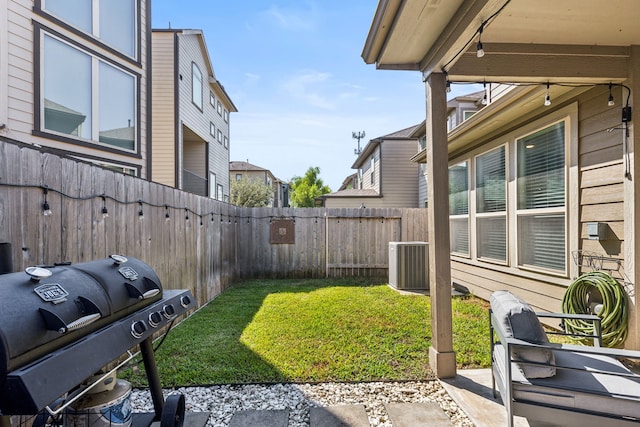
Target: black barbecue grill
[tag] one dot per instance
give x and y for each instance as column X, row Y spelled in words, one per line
column 61, row 324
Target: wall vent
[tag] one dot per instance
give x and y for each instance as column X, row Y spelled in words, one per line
column 409, row 265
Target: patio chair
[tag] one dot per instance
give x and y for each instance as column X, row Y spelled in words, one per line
column 560, row 384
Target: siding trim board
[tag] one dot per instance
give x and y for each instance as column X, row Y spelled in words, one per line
column 149, row 103
column 177, row 78
column 38, row 32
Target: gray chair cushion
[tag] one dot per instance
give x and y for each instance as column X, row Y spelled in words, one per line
column 519, row 321
column 580, row 388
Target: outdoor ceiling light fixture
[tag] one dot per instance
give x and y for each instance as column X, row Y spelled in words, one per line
column 479, row 49
column 448, row 86
column 547, row 98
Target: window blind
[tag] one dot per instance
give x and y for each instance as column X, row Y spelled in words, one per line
column 540, row 167
column 491, row 181
column 459, row 189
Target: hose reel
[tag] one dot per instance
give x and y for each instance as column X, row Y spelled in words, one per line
column 598, row 293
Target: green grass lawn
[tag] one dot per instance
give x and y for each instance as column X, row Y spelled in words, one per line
column 314, row 330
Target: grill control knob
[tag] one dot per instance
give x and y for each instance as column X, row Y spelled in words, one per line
column 185, row 301
column 168, row 311
column 154, row 319
column 138, row 328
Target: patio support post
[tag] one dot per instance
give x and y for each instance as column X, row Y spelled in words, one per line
column 632, row 208
column 442, row 359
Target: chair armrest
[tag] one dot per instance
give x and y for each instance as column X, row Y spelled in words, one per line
column 597, row 325
column 572, row 348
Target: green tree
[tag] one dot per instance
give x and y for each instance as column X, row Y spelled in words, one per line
column 304, row 190
column 251, row 193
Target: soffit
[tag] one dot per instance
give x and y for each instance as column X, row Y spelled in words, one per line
column 430, row 35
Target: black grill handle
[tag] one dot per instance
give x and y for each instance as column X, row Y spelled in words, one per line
column 55, row 323
column 151, row 289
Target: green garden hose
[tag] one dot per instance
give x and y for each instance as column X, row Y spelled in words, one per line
column 614, row 312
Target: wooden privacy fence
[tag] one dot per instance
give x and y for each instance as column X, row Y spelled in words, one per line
column 191, row 241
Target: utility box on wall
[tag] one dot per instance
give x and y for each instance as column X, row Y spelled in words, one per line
column 597, row 231
column 409, row 265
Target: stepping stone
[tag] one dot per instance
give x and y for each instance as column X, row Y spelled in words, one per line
column 260, row 418
column 339, row 416
column 417, row 414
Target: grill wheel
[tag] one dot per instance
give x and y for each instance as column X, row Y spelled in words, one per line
column 173, row 411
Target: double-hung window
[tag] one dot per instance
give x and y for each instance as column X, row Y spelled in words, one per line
column 491, row 205
column 85, row 97
column 541, row 198
column 459, row 208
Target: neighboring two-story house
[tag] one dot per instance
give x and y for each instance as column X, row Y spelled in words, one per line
column 459, row 109
column 244, row 170
column 386, row 175
column 74, row 79
column 191, row 116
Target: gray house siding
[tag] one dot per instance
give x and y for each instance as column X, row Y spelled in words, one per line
column 399, row 175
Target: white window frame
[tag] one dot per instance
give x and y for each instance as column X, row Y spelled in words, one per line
column 491, row 215
column 464, row 217
column 563, row 210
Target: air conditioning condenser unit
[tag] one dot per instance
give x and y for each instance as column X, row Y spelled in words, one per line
column 409, row 265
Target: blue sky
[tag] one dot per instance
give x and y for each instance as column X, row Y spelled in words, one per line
column 294, row 71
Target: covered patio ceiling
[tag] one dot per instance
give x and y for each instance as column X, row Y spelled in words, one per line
column 571, row 41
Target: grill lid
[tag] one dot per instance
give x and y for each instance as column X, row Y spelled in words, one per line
column 45, row 308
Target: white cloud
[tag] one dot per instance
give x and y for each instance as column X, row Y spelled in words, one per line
column 308, row 87
column 292, row 20
column 251, row 77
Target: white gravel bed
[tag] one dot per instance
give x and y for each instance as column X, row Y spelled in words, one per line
column 222, row 401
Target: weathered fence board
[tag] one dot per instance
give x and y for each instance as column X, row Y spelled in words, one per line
column 218, row 244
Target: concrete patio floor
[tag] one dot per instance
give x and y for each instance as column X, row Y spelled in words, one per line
column 471, row 390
